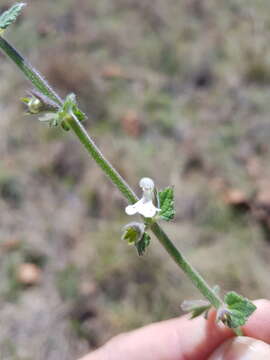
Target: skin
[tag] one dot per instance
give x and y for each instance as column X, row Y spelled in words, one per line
column 184, row 339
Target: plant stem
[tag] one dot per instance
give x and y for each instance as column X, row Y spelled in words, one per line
column 105, row 165
column 163, row 238
column 180, row 260
column 32, row 74
column 40, row 83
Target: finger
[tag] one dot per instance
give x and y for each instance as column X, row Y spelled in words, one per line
column 258, row 325
column 174, row 339
column 181, row 338
column 242, row 348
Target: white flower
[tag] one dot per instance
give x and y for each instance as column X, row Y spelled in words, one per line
column 144, row 206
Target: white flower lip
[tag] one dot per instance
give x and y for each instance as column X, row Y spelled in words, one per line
column 144, row 206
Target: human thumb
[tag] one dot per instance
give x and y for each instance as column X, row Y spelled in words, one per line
column 242, row 348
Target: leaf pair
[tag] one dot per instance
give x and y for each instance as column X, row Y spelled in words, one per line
column 233, row 313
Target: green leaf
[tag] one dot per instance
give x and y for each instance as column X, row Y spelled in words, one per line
column 142, row 244
column 199, row 311
column 166, row 204
column 238, row 309
column 196, row 307
column 8, row 17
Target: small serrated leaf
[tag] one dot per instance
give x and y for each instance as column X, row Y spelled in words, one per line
column 8, row 17
column 166, row 204
column 142, row 244
column 239, row 309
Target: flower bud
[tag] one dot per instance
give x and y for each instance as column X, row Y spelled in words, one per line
column 34, row 106
column 37, row 103
column 133, row 232
column 224, row 315
column 147, row 184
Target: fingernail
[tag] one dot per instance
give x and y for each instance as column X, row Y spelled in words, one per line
column 242, row 348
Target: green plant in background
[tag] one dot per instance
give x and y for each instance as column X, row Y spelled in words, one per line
column 233, row 310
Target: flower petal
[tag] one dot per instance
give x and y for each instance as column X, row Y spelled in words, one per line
column 134, row 209
column 131, row 209
column 147, row 209
column 143, row 207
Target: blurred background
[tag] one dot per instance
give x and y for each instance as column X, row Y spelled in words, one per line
column 174, row 90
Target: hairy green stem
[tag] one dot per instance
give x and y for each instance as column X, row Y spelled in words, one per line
column 163, row 238
column 32, row 74
column 40, row 83
column 181, row 261
column 105, row 165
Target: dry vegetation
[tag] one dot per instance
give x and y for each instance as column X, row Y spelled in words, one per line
column 175, row 90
